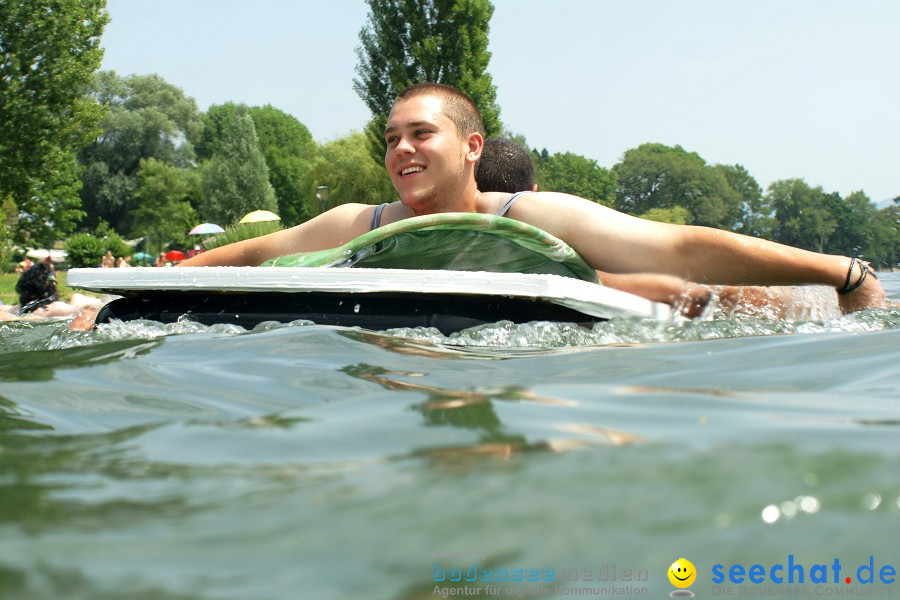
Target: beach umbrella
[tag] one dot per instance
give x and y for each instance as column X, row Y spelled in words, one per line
column 42, row 254
column 258, row 216
column 206, row 228
column 141, row 256
column 175, row 255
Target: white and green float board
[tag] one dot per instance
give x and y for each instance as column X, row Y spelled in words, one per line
column 449, row 271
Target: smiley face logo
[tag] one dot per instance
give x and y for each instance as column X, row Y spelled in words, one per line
column 682, row 573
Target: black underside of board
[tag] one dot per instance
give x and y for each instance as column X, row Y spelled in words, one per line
column 448, row 313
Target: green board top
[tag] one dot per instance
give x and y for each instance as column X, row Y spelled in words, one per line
column 452, row 241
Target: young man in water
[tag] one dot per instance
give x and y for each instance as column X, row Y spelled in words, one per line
column 434, row 139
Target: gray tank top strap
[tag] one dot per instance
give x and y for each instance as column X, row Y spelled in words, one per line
column 509, row 203
column 376, row 218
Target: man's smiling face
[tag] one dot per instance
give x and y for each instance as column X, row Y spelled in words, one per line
column 426, row 159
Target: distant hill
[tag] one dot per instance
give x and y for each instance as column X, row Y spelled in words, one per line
column 884, row 203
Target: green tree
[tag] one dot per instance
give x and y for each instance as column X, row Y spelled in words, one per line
column 146, row 118
column 415, row 41
column 574, row 174
column 48, row 51
column 87, row 249
column 677, row 215
column 802, row 214
column 657, row 176
column 217, row 119
column 165, row 214
column 343, row 166
column 286, row 144
column 235, row 180
column 84, row 250
column 289, row 149
column 57, row 208
column 112, row 241
column 755, row 213
column 8, row 217
column 853, row 233
column 886, row 237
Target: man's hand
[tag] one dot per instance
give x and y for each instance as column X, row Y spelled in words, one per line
column 869, row 295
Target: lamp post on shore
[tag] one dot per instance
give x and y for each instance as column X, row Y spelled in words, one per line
column 322, row 194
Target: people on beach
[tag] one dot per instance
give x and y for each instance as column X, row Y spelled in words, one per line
column 435, row 138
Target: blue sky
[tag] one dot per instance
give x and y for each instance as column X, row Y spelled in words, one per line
column 787, row 88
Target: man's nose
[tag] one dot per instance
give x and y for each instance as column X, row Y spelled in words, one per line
column 404, row 146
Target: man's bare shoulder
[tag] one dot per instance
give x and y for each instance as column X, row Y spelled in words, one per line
column 351, row 220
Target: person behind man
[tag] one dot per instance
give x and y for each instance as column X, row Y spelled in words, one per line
column 505, row 166
column 435, row 137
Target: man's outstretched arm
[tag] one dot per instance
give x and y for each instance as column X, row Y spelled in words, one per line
column 618, row 243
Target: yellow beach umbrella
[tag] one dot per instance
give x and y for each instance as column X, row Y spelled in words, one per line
column 258, row 216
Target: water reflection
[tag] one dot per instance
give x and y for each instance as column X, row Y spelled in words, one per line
column 475, row 410
column 46, row 581
column 40, row 364
column 11, row 419
column 38, row 490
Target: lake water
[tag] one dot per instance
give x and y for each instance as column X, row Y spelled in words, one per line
column 188, row 462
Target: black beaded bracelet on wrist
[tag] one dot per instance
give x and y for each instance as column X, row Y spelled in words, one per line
column 863, row 273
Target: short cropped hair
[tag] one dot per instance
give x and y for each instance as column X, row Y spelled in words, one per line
column 505, row 166
column 456, row 105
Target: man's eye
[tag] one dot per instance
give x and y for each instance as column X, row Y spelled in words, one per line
column 421, row 132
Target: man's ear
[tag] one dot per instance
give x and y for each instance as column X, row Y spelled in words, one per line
column 475, row 142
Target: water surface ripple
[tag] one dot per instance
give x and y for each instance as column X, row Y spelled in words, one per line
column 298, row 461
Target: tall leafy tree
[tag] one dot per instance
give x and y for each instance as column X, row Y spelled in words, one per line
column 288, row 148
column 217, row 119
column 48, row 51
column 854, row 217
column 235, row 180
column 657, row 176
column 8, row 215
column 55, row 208
column 414, row 41
column 286, row 144
column 802, row 214
column 164, row 212
column 755, row 213
column 574, row 174
column 886, row 236
column 146, row 118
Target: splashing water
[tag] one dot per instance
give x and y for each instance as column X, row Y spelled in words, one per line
column 786, row 311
